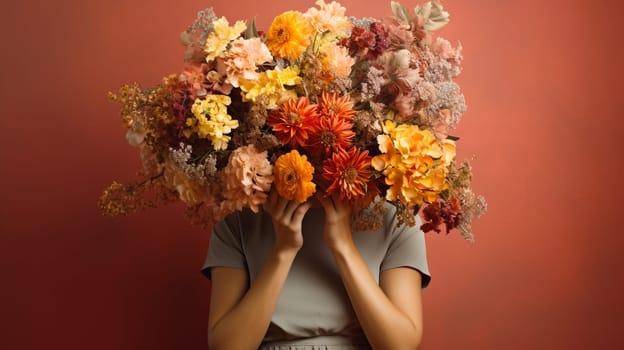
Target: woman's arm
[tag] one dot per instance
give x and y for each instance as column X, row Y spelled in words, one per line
column 390, row 313
column 240, row 314
column 239, row 317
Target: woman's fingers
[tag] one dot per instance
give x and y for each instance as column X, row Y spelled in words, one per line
column 283, row 210
column 290, row 208
column 339, row 204
column 280, row 205
column 325, row 202
column 333, row 205
column 300, row 212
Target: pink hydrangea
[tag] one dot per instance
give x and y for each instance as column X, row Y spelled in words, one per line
column 246, row 179
column 243, row 58
column 328, row 17
column 337, row 60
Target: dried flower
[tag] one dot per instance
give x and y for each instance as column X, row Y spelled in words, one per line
column 194, row 37
column 371, row 218
column 216, row 79
column 189, row 191
column 366, row 44
column 399, row 36
column 450, row 98
column 369, row 103
column 182, row 158
column 441, row 212
column 194, row 75
column 433, row 15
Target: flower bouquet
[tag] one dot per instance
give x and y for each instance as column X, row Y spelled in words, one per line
column 359, row 108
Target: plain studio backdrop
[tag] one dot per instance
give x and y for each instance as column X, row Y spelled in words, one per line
column 542, row 81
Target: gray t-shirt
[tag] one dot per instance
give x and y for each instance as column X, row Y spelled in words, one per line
column 313, row 308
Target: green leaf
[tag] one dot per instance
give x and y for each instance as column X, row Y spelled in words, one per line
column 434, row 15
column 423, row 10
column 400, row 11
column 251, row 31
column 186, row 38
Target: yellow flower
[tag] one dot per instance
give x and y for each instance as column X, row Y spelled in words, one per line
column 414, row 163
column 293, row 177
column 223, row 34
column 449, row 151
column 270, row 85
column 289, row 35
column 288, row 76
column 218, row 126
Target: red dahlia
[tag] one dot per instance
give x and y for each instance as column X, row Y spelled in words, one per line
column 328, row 135
column 292, row 122
column 334, row 105
column 349, row 173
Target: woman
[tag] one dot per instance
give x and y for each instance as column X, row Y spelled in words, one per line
column 314, row 284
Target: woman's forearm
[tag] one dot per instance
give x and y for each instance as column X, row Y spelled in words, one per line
column 244, row 326
column 385, row 326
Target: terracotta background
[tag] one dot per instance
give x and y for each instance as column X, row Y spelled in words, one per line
column 543, row 84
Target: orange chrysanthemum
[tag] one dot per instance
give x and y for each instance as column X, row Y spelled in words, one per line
column 289, row 35
column 349, row 172
column 292, row 122
column 293, row 177
column 329, row 134
column 334, row 105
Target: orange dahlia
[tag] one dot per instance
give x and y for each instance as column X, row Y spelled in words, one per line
column 334, row 105
column 292, row 121
column 329, row 134
column 289, row 35
column 293, row 177
column 350, row 173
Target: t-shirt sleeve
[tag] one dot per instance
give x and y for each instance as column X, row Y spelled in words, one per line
column 408, row 249
column 225, row 247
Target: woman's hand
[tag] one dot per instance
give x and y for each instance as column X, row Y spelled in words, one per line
column 337, row 232
column 287, row 218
